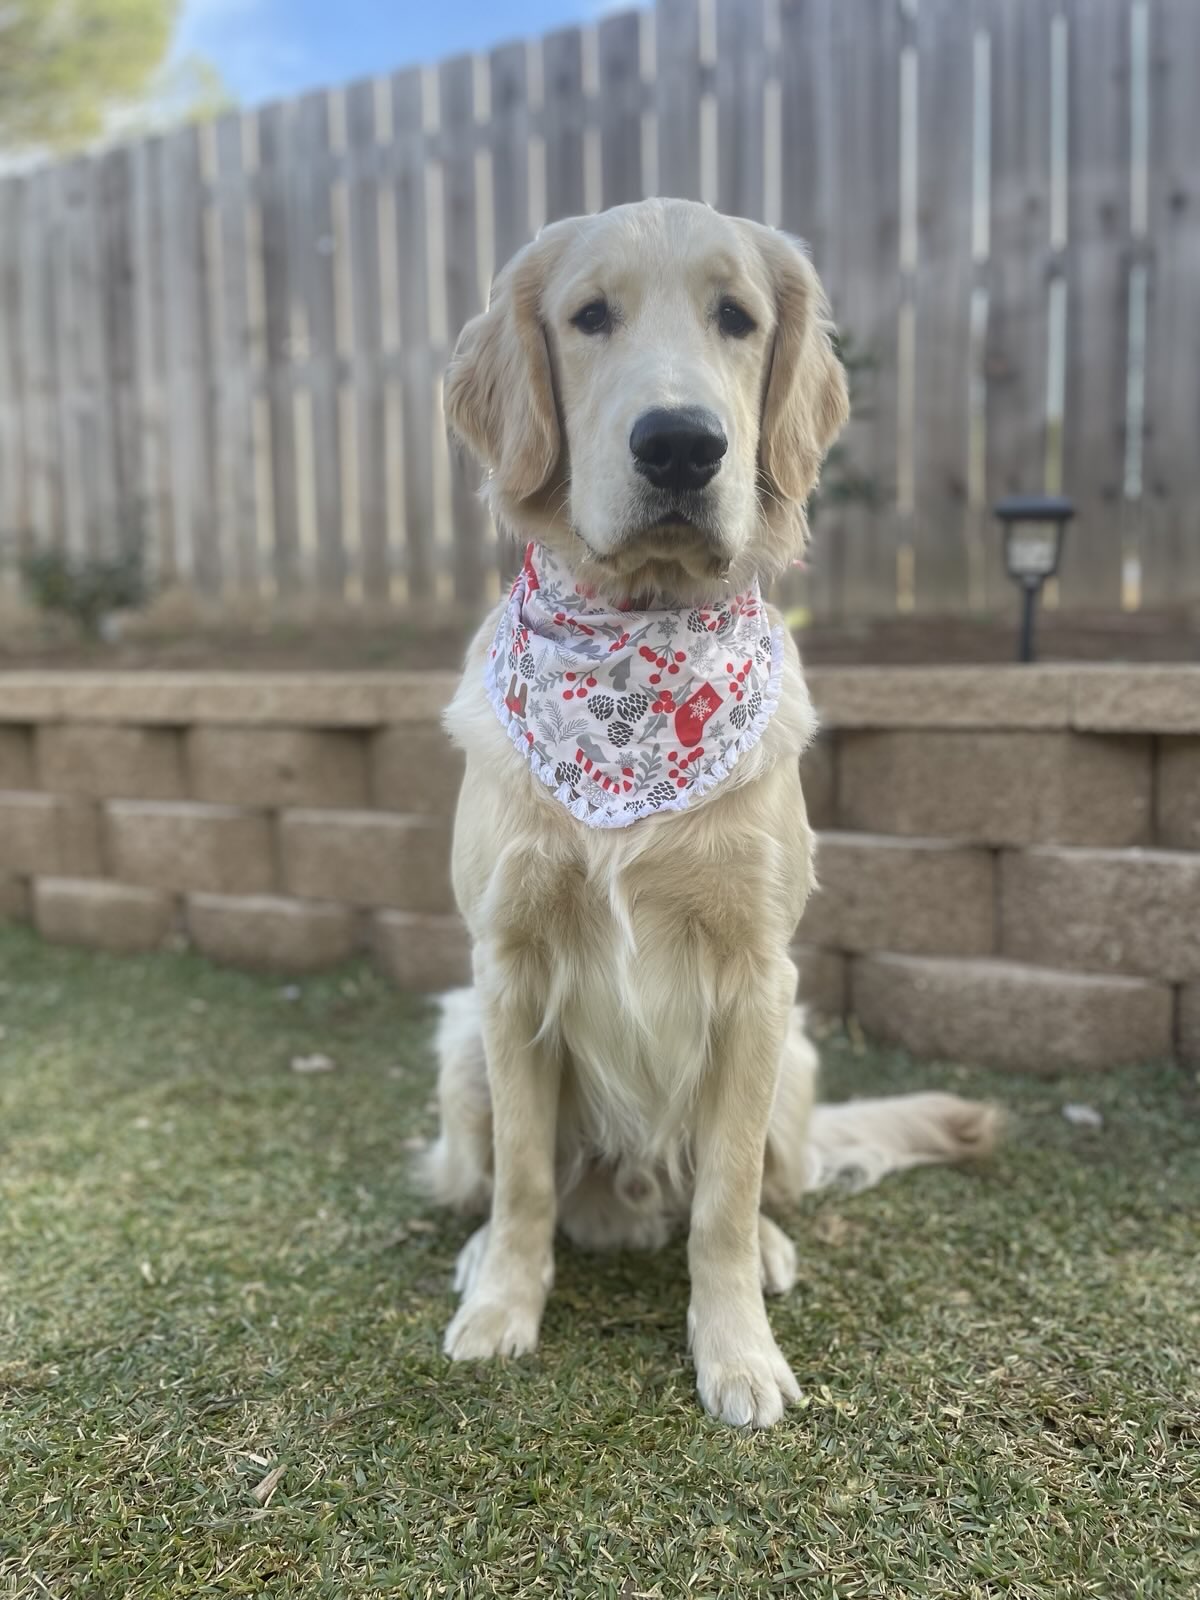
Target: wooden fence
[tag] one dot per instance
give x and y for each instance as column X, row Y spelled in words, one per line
column 233, row 335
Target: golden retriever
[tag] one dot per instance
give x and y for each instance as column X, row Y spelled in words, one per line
column 630, row 1057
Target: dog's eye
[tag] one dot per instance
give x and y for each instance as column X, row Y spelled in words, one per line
column 733, row 320
column 593, row 317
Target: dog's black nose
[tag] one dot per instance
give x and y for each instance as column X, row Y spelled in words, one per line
column 679, row 448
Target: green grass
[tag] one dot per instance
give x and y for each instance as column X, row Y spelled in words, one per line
column 212, row 1267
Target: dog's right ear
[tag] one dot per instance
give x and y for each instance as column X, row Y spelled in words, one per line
column 807, row 400
column 499, row 385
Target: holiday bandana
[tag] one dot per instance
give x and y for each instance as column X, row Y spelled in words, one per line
column 623, row 713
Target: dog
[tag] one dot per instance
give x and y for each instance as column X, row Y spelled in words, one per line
column 651, row 391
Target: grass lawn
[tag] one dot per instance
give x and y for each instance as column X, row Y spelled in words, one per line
column 221, row 1307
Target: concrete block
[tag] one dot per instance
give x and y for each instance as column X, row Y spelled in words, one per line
column 110, row 762
column 1004, row 1014
column 16, row 757
column 823, row 985
column 1189, row 1023
column 102, row 915
column 272, row 933
column 1136, row 699
column 942, row 697
column 1134, row 911
column 415, row 769
column 16, row 901
column 277, row 767
column 261, row 699
column 997, row 788
column 59, row 835
column 367, row 858
column 187, row 846
column 81, row 844
column 426, row 954
column 818, row 779
column 913, row 896
column 28, row 832
column 1177, row 795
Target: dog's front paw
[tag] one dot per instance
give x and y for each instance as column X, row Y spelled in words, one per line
column 482, row 1328
column 470, row 1260
column 751, row 1391
column 776, row 1258
column 741, row 1376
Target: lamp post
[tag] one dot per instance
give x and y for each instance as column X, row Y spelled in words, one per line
column 1033, row 527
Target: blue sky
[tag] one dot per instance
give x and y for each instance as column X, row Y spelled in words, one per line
column 265, row 49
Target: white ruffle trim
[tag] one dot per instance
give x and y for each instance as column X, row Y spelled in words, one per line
column 594, row 816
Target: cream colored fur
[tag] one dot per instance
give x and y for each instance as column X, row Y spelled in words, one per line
column 630, row 1058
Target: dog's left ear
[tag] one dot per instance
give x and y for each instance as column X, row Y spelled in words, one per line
column 499, row 388
column 807, row 402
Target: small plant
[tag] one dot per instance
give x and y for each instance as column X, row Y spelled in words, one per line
column 88, row 589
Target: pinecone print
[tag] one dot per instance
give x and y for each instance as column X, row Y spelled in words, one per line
column 633, row 707
column 601, row 706
column 764, row 647
column 696, row 623
column 525, row 666
column 620, row 733
column 754, row 705
column 568, row 772
column 738, row 715
column 660, row 793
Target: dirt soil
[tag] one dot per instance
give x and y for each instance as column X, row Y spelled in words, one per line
column 349, row 643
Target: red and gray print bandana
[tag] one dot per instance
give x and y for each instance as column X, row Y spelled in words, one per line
column 623, row 713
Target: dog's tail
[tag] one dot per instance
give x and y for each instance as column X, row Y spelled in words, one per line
column 858, row 1143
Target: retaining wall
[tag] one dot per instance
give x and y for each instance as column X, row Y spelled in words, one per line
column 1009, row 864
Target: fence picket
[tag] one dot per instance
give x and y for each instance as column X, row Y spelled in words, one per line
column 944, row 199
column 677, row 92
column 562, row 121
column 1171, row 554
column 237, row 496
column 154, row 461
column 118, row 397
column 370, row 405
column 1019, row 263
column 188, row 359
column 278, row 290
column 741, row 91
column 509, row 142
column 463, row 301
column 861, row 274
column 72, row 393
column 416, row 360
column 1097, row 301
column 313, row 248
column 620, row 108
column 14, row 401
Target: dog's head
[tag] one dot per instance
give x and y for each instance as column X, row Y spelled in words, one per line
column 653, row 391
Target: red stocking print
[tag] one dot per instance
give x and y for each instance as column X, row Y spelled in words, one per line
column 694, row 713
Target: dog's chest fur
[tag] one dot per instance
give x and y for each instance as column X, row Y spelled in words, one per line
column 625, row 948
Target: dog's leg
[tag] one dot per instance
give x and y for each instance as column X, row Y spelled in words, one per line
column 457, row 1167
column 502, row 1307
column 740, row 1374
